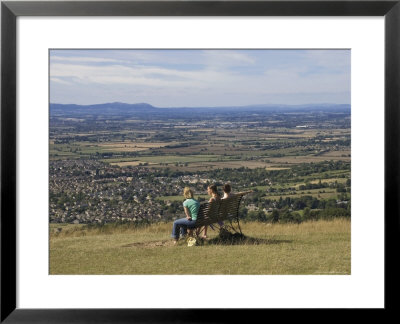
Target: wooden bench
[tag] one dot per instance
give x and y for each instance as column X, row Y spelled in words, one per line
column 221, row 214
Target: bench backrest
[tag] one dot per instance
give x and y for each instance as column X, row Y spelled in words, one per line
column 207, row 213
column 217, row 211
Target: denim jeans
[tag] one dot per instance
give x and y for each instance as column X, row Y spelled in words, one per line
column 180, row 226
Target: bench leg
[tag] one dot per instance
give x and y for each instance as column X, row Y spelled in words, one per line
column 229, row 226
column 199, row 230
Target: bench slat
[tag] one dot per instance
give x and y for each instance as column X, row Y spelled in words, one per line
column 216, row 211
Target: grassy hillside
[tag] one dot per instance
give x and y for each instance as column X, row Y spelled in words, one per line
column 320, row 247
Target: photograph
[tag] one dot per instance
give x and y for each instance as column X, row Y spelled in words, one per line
column 249, row 148
column 199, row 161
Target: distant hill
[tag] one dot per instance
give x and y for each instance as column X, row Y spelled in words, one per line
column 145, row 110
column 113, row 106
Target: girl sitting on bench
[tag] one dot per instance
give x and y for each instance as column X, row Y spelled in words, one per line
column 215, row 196
column 191, row 208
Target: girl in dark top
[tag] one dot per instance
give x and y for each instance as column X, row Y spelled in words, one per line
column 214, row 196
column 227, row 191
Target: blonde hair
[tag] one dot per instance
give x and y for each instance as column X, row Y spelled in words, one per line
column 187, row 193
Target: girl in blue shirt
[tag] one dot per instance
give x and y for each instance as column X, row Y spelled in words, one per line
column 191, row 208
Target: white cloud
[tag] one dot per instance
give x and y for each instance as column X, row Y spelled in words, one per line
column 217, row 59
column 57, row 80
column 202, row 76
column 329, row 59
column 136, row 75
column 84, row 59
column 273, row 81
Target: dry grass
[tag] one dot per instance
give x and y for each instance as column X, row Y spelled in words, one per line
column 320, row 247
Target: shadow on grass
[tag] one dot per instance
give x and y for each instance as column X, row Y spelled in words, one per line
column 224, row 238
column 228, row 238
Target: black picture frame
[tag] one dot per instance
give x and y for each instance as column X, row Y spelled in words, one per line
column 10, row 10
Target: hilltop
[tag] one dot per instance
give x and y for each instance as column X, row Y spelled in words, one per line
column 314, row 247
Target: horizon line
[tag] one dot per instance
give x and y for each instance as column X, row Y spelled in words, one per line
column 224, row 106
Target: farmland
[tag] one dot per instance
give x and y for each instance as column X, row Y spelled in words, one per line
column 131, row 163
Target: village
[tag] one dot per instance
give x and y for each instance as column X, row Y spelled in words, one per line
column 89, row 191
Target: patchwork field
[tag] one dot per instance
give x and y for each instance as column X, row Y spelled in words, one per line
column 252, row 142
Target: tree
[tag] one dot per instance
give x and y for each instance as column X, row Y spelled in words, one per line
column 258, row 215
column 307, row 213
column 296, row 218
column 275, row 216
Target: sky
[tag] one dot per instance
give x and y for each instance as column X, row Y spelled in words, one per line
column 199, row 78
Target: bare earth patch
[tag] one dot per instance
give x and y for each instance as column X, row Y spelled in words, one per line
column 151, row 244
